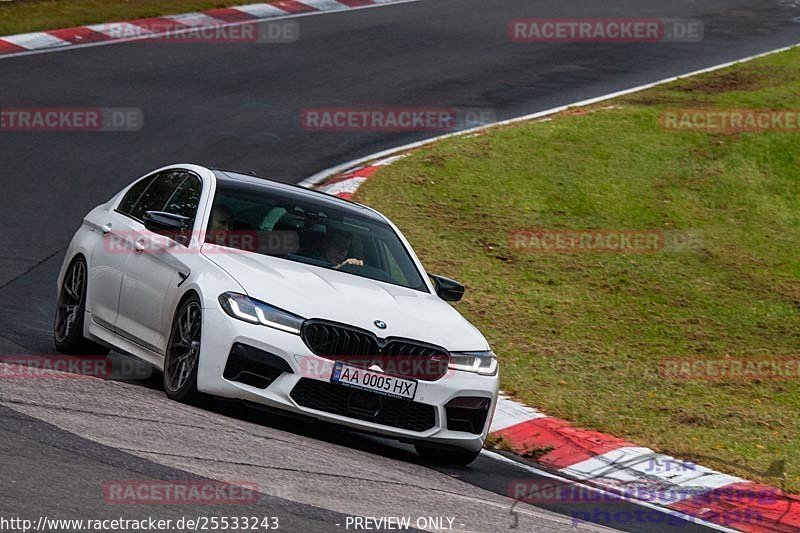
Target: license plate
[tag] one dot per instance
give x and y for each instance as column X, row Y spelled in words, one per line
column 359, row 378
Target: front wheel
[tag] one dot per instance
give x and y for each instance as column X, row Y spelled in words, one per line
column 446, row 455
column 183, row 353
column 70, row 312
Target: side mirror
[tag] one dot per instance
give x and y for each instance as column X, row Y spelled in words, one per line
column 447, row 289
column 168, row 224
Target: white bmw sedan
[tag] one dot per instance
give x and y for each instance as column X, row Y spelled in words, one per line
column 245, row 288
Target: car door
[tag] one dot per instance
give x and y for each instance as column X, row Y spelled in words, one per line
column 111, row 253
column 159, row 263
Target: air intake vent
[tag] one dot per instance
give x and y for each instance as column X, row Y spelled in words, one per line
column 254, row 367
column 363, row 405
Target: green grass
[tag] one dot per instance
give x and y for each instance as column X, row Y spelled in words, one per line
column 21, row 16
column 581, row 335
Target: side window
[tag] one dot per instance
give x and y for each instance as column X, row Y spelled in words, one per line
column 132, row 196
column 185, row 199
column 157, row 194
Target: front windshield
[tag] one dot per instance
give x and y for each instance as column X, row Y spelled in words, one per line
column 290, row 226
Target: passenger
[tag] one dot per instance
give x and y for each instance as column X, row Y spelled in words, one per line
column 221, row 226
column 222, row 219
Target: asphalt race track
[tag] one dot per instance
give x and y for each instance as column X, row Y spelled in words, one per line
column 238, row 106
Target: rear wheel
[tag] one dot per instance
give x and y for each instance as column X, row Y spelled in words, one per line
column 446, row 455
column 183, row 353
column 70, row 311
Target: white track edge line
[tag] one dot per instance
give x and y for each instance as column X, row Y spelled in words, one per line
column 190, row 29
column 615, row 496
column 324, row 174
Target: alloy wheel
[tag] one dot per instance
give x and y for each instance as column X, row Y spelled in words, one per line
column 70, row 301
column 184, row 347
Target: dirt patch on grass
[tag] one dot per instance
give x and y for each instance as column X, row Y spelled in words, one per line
column 735, row 80
column 434, row 160
column 580, row 111
column 651, row 99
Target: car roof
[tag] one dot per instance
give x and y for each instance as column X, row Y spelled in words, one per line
column 298, row 192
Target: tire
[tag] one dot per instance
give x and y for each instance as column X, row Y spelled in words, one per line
column 71, row 311
column 446, row 455
column 183, row 353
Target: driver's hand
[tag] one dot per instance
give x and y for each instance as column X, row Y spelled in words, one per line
column 351, row 261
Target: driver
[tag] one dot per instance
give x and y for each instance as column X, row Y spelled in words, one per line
column 337, row 248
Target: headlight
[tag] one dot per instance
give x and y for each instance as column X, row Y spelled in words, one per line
column 483, row 363
column 256, row 312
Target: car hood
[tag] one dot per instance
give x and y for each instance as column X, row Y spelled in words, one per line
column 316, row 292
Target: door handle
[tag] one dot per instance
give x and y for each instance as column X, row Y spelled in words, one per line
column 139, row 246
column 106, row 228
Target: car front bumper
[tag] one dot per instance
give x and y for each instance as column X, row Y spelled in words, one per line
column 221, row 332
